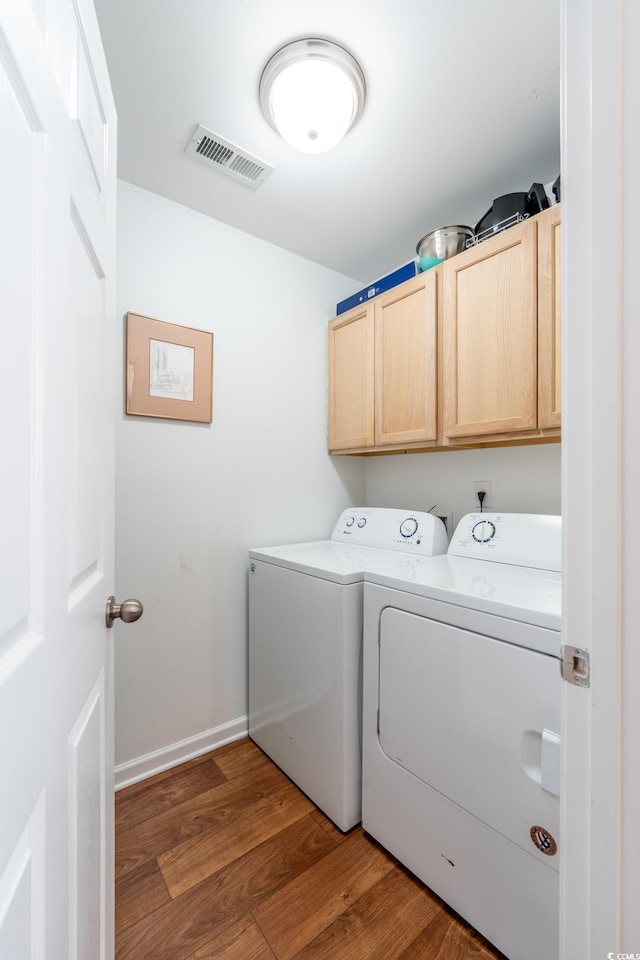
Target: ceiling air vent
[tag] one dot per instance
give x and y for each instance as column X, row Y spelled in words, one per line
column 228, row 158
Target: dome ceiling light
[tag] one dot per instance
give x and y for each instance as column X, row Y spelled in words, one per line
column 312, row 92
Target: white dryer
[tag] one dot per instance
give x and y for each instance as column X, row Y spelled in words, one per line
column 461, row 706
column 305, row 648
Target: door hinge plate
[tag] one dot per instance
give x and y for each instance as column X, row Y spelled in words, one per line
column 575, row 665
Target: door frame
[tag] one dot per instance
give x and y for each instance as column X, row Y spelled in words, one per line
column 600, row 876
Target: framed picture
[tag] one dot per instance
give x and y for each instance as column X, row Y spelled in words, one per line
column 169, row 370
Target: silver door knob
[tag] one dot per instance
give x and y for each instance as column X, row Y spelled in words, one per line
column 129, row 611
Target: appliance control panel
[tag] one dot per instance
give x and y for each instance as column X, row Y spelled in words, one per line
column 522, row 539
column 387, row 528
column 483, row 531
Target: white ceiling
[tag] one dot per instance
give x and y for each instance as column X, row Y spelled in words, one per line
column 463, row 104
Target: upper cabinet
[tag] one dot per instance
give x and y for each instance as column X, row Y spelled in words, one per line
column 466, row 354
column 490, row 336
column 351, row 372
column 382, row 371
column 549, row 331
column 406, row 321
column 500, row 336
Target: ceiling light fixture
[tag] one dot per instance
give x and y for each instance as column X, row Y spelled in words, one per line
column 312, row 92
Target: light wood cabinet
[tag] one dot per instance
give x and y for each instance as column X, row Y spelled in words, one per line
column 549, row 327
column 490, row 332
column 501, row 335
column 406, row 363
column 464, row 355
column 351, row 379
column 383, row 371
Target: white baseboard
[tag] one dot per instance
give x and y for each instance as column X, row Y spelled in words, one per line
column 151, row 763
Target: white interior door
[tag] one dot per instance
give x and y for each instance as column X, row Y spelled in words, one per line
column 57, row 239
column 600, row 865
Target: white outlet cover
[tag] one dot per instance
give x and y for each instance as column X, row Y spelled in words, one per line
column 485, row 485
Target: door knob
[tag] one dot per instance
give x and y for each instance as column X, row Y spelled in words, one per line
column 128, row 611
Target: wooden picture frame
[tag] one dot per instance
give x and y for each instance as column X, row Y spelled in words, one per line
column 169, row 370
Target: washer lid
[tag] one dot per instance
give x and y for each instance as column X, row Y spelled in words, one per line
column 364, row 538
column 330, row 560
column 518, row 593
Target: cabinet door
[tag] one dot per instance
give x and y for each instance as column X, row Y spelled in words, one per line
column 549, row 329
column 351, row 373
column 490, row 337
column 405, row 336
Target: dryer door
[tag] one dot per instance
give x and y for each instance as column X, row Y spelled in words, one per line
column 475, row 718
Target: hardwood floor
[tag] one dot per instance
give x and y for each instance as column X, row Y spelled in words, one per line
column 223, row 858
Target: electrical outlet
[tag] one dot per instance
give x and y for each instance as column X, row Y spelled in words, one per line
column 485, row 485
column 447, row 519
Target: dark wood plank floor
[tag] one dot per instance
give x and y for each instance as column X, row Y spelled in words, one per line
column 223, row 857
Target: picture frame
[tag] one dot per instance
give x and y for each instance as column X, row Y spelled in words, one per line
column 169, row 370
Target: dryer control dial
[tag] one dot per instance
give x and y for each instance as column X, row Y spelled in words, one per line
column 362, row 522
column 408, row 527
column 483, row 531
column 349, row 522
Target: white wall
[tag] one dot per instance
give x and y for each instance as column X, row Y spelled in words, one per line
column 192, row 498
column 523, row 479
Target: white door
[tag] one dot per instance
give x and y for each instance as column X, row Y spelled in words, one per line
column 57, row 239
column 600, row 869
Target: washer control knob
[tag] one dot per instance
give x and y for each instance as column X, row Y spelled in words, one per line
column 483, row 531
column 350, row 521
column 362, row 522
column 408, row 527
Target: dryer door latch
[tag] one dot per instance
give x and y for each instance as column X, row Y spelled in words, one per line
column 575, row 666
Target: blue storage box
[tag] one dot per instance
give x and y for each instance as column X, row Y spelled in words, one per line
column 386, row 283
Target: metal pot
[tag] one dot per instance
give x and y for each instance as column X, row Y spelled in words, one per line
column 443, row 243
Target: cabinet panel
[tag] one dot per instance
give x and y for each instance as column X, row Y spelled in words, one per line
column 549, row 326
column 490, row 336
column 351, row 379
column 405, row 347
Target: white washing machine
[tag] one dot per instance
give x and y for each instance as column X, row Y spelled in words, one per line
column 461, row 707
column 305, row 648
